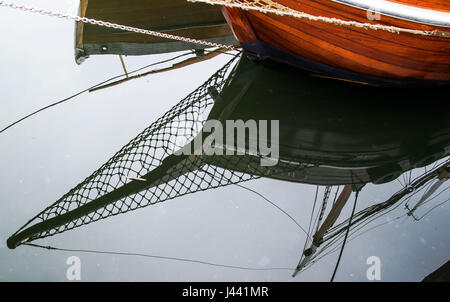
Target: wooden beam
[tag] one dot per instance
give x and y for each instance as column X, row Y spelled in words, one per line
column 178, row 65
column 123, row 66
column 80, row 25
column 333, row 215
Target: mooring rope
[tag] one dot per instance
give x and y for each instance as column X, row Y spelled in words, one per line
column 269, row 6
column 51, row 13
column 263, row 6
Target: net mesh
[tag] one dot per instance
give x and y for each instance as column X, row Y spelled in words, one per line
column 129, row 171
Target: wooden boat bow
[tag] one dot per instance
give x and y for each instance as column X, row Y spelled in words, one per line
column 380, row 42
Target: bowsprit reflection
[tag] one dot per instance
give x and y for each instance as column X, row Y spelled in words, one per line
column 337, row 135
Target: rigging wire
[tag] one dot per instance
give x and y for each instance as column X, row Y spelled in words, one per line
column 90, row 88
column 319, row 255
column 320, row 214
column 310, row 222
column 266, row 199
column 336, row 194
column 431, row 198
column 422, row 187
column 276, row 206
column 428, row 187
column 354, row 237
column 345, row 238
column 159, row 257
column 252, row 268
column 309, row 227
column 371, row 228
column 429, row 211
column 400, row 183
column 370, row 219
column 312, row 215
column 93, row 87
column 366, row 221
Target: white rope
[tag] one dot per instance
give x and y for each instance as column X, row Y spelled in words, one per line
column 269, row 6
column 110, row 25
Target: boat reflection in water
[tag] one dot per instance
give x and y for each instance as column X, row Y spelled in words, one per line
column 349, row 134
column 339, row 135
column 355, row 134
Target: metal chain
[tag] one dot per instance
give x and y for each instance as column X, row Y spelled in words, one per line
column 269, row 6
column 111, row 25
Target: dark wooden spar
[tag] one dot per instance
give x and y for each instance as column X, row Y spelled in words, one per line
column 321, row 142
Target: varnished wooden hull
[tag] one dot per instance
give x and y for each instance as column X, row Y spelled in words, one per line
column 369, row 56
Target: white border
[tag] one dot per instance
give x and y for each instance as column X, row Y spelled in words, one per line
column 401, row 11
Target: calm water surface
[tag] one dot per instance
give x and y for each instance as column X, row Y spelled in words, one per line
column 45, row 156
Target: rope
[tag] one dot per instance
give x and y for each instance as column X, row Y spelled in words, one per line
column 111, row 25
column 308, row 234
column 312, row 215
column 378, row 210
column 269, row 201
column 326, row 196
column 431, row 210
column 269, row 6
column 159, row 257
column 345, row 238
column 89, row 90
column 276, row 206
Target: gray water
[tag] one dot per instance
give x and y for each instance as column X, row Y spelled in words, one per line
column 46, row 155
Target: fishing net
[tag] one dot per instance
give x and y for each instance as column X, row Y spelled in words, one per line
column 145, row 171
